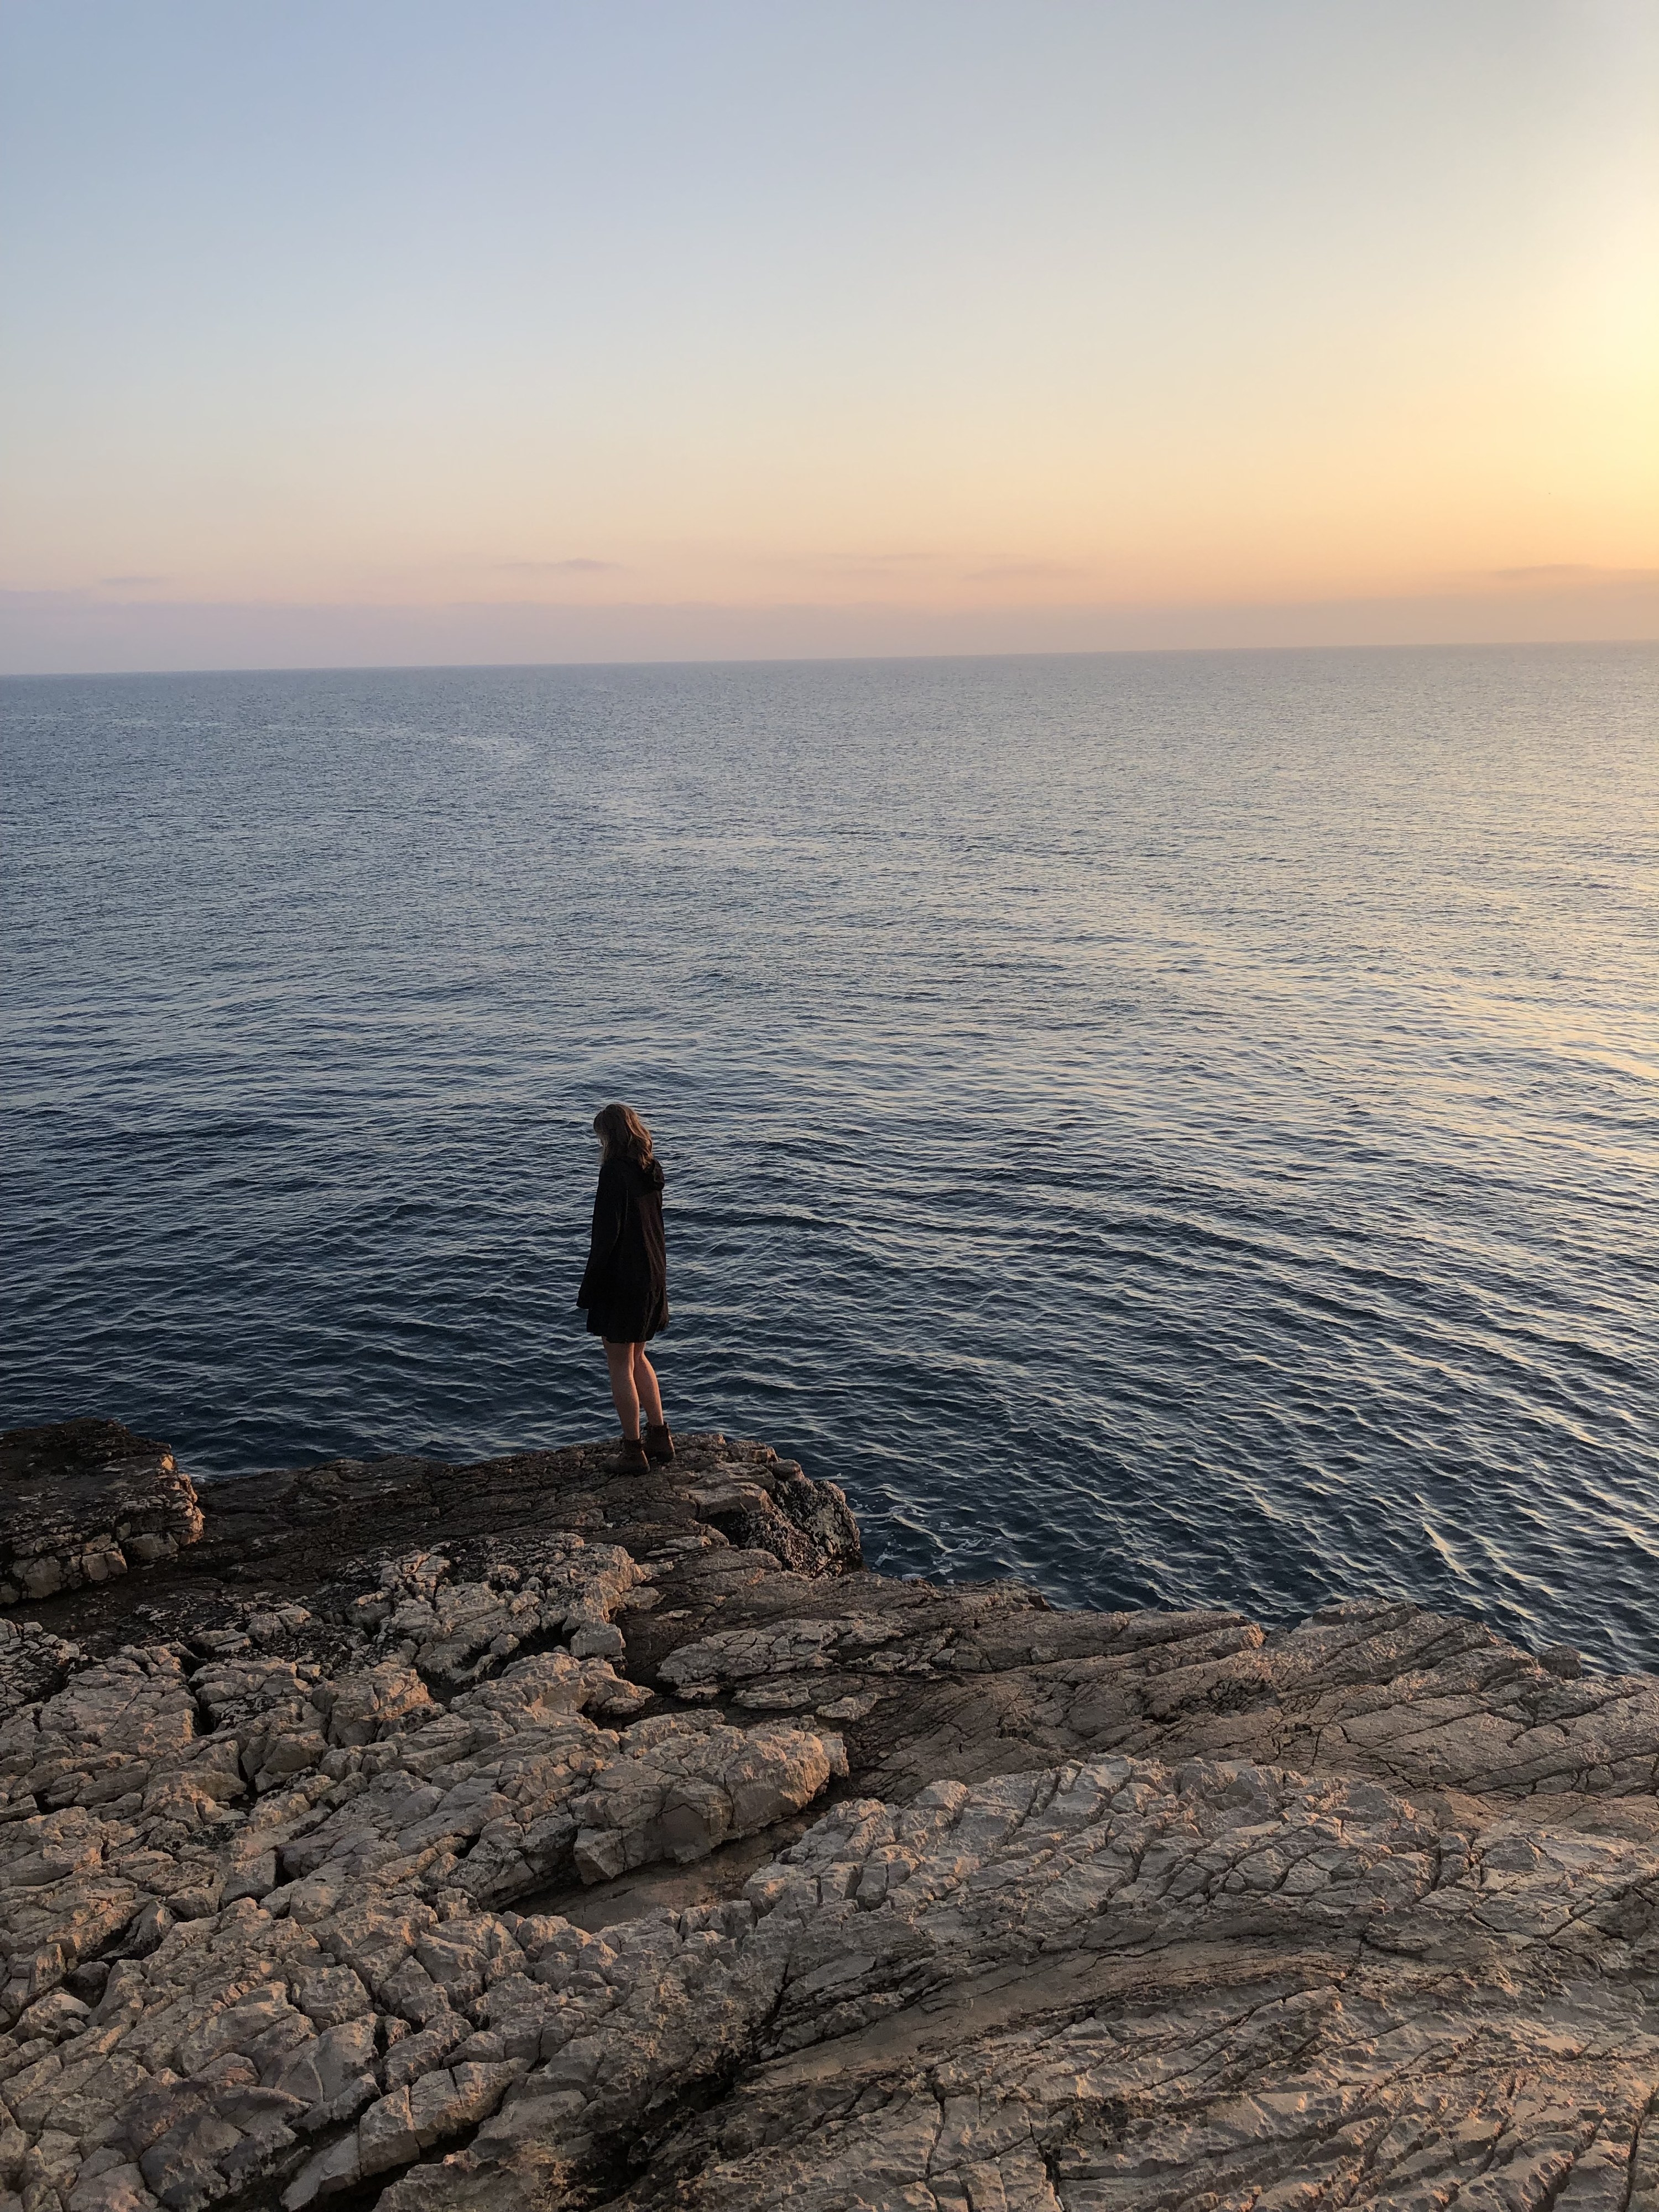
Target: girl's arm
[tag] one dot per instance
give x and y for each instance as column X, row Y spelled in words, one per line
column 610, row 1211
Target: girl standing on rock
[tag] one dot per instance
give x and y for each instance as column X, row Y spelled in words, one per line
column 625, row 1287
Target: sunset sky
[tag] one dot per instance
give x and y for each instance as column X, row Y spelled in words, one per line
column 391, row 330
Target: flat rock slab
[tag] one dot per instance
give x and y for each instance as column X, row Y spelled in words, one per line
column 83, row 1501
column 537, row 1834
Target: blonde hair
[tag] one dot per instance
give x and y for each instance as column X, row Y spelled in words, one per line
column 623, row 1135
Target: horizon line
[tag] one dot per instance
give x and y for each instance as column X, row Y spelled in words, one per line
column 819, row 660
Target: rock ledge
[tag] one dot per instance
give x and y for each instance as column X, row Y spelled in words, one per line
column 84, row 1500
column 533, row 1834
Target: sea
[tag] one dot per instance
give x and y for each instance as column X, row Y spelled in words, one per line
column 1178, row 1129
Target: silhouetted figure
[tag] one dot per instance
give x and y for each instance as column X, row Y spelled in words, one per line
column 625, row 1286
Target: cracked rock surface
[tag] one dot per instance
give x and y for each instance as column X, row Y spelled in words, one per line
column 82, row 1501
column 535, row 1834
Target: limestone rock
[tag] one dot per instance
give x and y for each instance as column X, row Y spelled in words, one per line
column 82, row 1501
column 1213, row 1983
column 682, row 1789
column 477, row 1865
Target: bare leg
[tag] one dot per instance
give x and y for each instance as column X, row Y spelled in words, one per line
column 619, row 1358
column 645, row 1382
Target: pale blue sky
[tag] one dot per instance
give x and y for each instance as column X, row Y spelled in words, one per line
column 974, row 314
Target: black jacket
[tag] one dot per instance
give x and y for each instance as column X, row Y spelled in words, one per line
column 625, row 1285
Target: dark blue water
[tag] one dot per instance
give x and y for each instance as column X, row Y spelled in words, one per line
column 1179, row 1128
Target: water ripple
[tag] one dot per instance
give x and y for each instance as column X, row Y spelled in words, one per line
column 1180, row 1129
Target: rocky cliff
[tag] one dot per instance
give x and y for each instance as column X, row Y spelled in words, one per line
column 534, row 1834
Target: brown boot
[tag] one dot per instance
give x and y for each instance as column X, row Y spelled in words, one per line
column 634, row 1460
column 658, row 1444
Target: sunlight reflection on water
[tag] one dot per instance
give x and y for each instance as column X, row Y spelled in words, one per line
column 1177, row 1129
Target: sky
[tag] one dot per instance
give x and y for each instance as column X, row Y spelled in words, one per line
column 387, row 330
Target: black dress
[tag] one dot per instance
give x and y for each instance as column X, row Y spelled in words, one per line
column 625, row 1286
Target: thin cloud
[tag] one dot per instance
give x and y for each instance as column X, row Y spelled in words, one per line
column 582, row 566
column 119, row 583
column 1574, row 572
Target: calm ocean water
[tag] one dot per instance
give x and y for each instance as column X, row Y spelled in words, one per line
column 1181, row 1129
